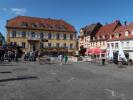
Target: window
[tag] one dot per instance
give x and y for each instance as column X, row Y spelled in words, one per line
column 71, row 46
column 100, row 43
column 105, row 36
column 119, row 34
column 23, row 44
column 108, row 45
column 49, row 36
column 50, row 27
column 41, row 35
column 41, row 45
column 41, row 25
column 57, row 44
column 33, row 25
column 100, row 37
column 132, row 32
column 103, row 43
column 122, row 43
column 112, row 35
column 57, row 36
column 127, row 44
column 33, row 34
column 23, row 34
column 64, row 36
column 116, row 45
column 13, row 34
column 24, row 24
column 64, row 45
column 49, row 44
column 126, row 33
column 116, row 35
column 112, row 44
column 71, row 37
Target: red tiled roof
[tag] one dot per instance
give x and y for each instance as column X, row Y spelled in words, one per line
column 121, row 30
column 91, row 29
column 49, row 24
column 107, row 29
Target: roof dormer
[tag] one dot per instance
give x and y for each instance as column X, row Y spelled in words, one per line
column 126, row 33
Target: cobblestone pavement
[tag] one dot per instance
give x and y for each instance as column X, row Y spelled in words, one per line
column 71, row 81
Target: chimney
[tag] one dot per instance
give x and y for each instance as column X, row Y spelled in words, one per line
column 125, row 23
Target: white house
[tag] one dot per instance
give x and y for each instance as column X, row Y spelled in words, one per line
column 123, row 34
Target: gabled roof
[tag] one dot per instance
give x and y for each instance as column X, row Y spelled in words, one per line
column 90, row 29
column 48, row 24
column 121, row 30
column 108, row 29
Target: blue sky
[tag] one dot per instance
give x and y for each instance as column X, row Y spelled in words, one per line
column 77, row 12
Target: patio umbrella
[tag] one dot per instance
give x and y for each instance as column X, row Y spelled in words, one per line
column 93, row 51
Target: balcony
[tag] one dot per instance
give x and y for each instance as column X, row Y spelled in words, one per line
column 33, row 39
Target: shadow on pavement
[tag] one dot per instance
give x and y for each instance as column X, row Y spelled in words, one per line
column 67, row 64
column 20, row 69
column 5, row 72
column 18, row 78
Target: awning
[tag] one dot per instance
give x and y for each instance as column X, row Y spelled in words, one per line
column 94, row 51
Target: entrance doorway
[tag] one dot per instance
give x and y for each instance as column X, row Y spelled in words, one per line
column 34, row 47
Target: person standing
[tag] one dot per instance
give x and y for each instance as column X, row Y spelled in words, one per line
column 51, row 59
column 66, row 58
column 16, row 55
column 60, row 59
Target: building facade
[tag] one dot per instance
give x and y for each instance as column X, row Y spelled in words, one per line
column 101, row 37
column 123, row 35
column 87, row 33
column 49, row 35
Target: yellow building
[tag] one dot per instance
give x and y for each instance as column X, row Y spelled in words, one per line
column 49, row 35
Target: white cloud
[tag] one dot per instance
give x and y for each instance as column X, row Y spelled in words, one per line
column 4, row 9
column 16, row 11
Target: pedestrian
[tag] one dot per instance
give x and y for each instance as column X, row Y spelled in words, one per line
column 51, row 59
column 60, row 59
column 120, row 63
column 66, row 59
column 16, row 55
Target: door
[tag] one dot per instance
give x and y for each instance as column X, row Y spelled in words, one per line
column 34, row 47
